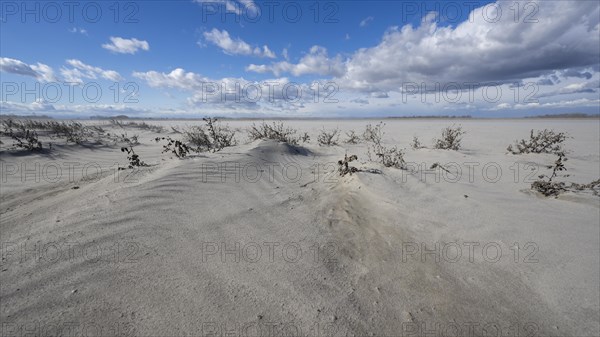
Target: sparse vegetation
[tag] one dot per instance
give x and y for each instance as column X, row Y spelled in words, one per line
column 546, row 186
column 214, row 138
column 219, row 136
column 353, row 138
column 389, row 157
column 277, row 131
column 594, row 186
column 344, row 167
column 305, row 137
column 544, row 141
column 23, row 137
column 196, row 137
column 176, row 147
column 133, row 158
column 137, row 125
column 27, row 140
column 73, row 132
column 133, row 140
column 416, row 143
column 392, row 157
column 374, row 134
column 328, row 137
column 451, row 138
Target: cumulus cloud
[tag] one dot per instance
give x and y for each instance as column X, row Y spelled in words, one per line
column 126, row 46
column 39, row 71
column 233, row 94
column 80, row 71
column 479, row 50
column 237, row 46
column 178, row 79
column 315, row 62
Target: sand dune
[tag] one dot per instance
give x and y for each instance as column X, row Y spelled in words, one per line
column 265, row 238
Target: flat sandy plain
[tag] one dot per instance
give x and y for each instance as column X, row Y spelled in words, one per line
column 266, row 239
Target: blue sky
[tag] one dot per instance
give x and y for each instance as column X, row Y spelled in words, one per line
column 376, row 58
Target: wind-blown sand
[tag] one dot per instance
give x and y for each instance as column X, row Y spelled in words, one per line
column 175, row 249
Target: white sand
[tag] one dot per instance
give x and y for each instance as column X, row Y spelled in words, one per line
column 168, row 240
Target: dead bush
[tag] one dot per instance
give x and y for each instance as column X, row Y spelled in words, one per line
column 389, row 157
column 546, row 186
column 328, row 137
column 176, row 147
column 133, row 158
column 544, row 141
column 374, row 134
column 212, row 137
column 353, row 138
column 276, row 130
column 196, row 137
column 23, row 138
column 451, row 138
column 220, row 136
column 344, row 167
column 137, row 125
column 416, row 143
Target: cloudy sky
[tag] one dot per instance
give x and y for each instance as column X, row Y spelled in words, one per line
column 245, row 58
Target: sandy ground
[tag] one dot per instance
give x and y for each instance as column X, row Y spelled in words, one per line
column 265, row 239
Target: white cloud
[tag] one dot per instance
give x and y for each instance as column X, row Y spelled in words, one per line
column 126, row 46
column 78, row 30
column 71, row 110
column 80, row 71
column 237, row 46
column 39, row 71
column 315, row 62
column 365, row 22
column 206, row 93
column 178, row 78
column 479, row 50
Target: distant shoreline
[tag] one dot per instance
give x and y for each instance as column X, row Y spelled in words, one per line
column 465, row 117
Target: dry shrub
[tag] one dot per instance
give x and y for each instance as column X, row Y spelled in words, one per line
column 546, row 186
column 344, row 167
column 176, row 147
column 328, row 137
column 213, row 137
column 451, row 138
column 416, row 143
column 389, row 157
column 544, row 141
column 353, row 138
column 133, row 158
column 276, row 130
column 137, row 125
